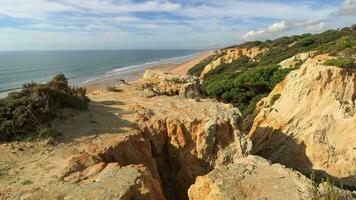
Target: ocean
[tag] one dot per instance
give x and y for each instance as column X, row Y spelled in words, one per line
column 80, row 67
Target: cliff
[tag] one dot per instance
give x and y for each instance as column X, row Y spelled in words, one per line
column 143, row 140
column 158, row 138
column 230, row 54
column 308, row 122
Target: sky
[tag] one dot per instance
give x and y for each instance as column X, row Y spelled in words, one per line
column 162, row 24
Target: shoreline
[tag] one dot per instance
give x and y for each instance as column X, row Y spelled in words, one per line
column 178, row 68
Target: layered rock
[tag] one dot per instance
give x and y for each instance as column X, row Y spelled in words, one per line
column 308, row 121
column 297, row 60
column 165, row 83
column 230, row 54
column 251, row 178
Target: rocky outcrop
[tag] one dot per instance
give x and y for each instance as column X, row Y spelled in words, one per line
column 230, row 54
column 165, row 83
column 308, row 121
column 189, row 138
column 251, row 178
column 114, row 182
column 297, row 60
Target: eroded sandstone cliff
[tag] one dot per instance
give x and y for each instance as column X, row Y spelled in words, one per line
column 230, row 54
column 308, row 122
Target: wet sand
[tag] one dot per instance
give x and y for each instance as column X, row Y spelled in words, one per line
column 137, row 74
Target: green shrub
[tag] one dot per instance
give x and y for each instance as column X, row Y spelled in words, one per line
column 31, row 110
column 342, row 62
column 244, row 90
column 26, row 182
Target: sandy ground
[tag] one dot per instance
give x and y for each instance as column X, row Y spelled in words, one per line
column 134, row 75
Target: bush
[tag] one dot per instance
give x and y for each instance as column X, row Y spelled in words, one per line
column 36, row 105
column 342, row 62
column 246, row 89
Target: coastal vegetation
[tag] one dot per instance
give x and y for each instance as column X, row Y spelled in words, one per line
column 244, row 81
column 30, row 111
column 342, row 62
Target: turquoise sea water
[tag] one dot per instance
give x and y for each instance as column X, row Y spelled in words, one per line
column 19, row 67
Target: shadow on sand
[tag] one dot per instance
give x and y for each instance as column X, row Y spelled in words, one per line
column 102, row 117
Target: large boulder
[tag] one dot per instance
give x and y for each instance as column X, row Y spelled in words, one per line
column 308, row 122
column 251, row 178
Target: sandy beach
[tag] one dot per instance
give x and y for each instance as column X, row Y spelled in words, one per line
column 181, row 68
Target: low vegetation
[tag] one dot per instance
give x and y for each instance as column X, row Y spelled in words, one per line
column 342, row 62
column 327, row 191
column 244, row 82
column 30, row 110
column 245, row 89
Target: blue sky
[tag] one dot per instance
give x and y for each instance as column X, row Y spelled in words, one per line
column 162, row 24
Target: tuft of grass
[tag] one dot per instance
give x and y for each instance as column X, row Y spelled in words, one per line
column 328, row 191
column 44, row 131
column 26, row 182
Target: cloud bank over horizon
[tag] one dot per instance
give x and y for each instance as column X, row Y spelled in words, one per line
column 162, row 24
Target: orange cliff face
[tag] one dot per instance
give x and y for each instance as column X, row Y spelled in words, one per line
column 230, row 54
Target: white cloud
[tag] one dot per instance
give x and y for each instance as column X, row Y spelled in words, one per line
column 31, row 8
column 348, row 7
column 248, row 9
column 279, row 28
column 159, row 23
column 124, row 5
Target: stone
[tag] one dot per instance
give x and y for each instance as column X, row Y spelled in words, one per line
column 251, row 178
column 156, row 83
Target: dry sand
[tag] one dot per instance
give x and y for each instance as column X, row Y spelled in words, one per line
column 134, row 75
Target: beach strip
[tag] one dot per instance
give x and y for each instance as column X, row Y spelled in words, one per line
column 181, row 68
